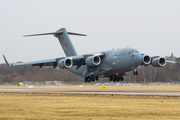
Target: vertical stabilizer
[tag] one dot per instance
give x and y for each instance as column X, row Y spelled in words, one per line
column 66, row 43
column 64, row 40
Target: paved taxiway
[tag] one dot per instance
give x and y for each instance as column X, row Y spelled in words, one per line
column 85, row 91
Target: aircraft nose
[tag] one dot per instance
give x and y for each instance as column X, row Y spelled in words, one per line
column 138, row 59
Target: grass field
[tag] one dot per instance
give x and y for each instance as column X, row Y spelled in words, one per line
column 166, row 88
column 88, row 107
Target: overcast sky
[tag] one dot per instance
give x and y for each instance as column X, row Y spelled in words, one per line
column 152, row 27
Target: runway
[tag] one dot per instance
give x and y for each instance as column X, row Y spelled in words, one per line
column 85, row 91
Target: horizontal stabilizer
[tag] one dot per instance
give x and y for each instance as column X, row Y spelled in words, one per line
column 71, row 33
column 55, row 34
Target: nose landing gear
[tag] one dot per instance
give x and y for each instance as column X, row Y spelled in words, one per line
column 135, row 72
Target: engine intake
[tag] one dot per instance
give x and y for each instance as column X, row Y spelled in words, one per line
column 159, row 62
column 93, row 60
column 65, row 63
column 146, row 60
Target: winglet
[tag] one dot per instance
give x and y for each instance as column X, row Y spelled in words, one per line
column 172, row 57
column 6, row 60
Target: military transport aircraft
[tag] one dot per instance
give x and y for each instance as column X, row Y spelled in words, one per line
column 113, row 63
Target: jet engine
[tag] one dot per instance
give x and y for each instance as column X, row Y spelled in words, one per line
column 93, row 60
column 159, row 62
column 65, row 63
column 145, row 60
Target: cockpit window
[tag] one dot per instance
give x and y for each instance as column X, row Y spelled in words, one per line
column 135, row 51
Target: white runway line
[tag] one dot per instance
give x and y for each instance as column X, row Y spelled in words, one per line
column 85, row 91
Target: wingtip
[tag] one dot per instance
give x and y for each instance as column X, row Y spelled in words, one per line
column 172, row 57
column 6, row 61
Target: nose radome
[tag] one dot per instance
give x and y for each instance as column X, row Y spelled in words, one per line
column 138, row 59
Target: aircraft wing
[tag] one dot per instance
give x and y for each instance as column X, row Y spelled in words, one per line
column 47, row 62
column 168, row 61
column 80, row 59
column 50, row 62
column 77, row 60
column 41, row 63
column 100, row 54
column 152, row 57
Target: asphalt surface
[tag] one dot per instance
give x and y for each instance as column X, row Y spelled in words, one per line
column 85, row 91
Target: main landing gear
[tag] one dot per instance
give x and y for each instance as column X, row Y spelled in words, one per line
column 115, row 78
column 90, row 78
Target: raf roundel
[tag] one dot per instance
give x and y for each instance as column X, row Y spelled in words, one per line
column 66, row 45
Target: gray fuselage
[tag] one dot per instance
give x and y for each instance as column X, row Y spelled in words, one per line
column 114, row 62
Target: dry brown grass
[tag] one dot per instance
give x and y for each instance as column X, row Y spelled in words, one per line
column 80, row 107
column 166, row 88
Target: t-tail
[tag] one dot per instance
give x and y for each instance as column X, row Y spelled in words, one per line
column 64, row 40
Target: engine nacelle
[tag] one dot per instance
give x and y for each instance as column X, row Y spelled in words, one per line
column 159, row 62
column 146, row 60
column 65, row 63
column 93, row 60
